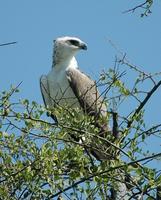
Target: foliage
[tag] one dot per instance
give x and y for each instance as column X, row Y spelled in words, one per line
column 39, row 159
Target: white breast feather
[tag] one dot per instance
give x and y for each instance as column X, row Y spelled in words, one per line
column 60, row 91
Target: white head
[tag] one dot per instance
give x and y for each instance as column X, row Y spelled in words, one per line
column 66, row 47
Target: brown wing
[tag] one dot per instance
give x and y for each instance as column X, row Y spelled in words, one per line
column 86, row 92
column 89, row 98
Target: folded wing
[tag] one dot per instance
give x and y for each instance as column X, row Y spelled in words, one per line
column 86, row 92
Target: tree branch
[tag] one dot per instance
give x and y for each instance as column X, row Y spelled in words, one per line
column 142, row 104
column 9, row 43
column 101, row 173
column 136, row 7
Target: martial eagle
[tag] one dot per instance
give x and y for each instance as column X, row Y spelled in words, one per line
column 65, row 84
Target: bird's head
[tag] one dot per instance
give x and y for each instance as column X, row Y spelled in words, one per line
column 66, row 47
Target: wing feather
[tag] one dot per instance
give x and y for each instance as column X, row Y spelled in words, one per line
column 86, row 92
column 45, row 90
column 93, row 104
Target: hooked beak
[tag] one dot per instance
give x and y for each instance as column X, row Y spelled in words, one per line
column 83, row 46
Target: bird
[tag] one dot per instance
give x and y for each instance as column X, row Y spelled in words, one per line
column 65, row 84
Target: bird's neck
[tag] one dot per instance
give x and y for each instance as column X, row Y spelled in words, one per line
column 63, row 64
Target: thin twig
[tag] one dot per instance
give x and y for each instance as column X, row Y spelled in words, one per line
column 136, row 7
column 142, row 104
column 9, row 43
column 10, row 94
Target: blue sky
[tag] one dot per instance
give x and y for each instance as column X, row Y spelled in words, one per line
column 34, row 25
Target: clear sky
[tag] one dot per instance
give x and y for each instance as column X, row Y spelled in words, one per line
column 34, row 25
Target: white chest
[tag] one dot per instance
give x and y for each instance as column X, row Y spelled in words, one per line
column 60, row 91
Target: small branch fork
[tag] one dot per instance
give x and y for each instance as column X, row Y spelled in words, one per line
column 136, row 7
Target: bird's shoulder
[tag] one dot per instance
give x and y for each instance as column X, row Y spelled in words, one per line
column 77, row 75
column 43, row 80
column 55, row 76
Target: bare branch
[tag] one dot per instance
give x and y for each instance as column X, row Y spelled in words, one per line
column 136, row 7
column 9, row 43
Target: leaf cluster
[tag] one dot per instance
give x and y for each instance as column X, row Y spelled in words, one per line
column 41, row 159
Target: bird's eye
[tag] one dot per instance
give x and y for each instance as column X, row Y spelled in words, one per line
column 74, row 42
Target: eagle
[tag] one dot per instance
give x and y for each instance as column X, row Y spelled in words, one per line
column 65, row 84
